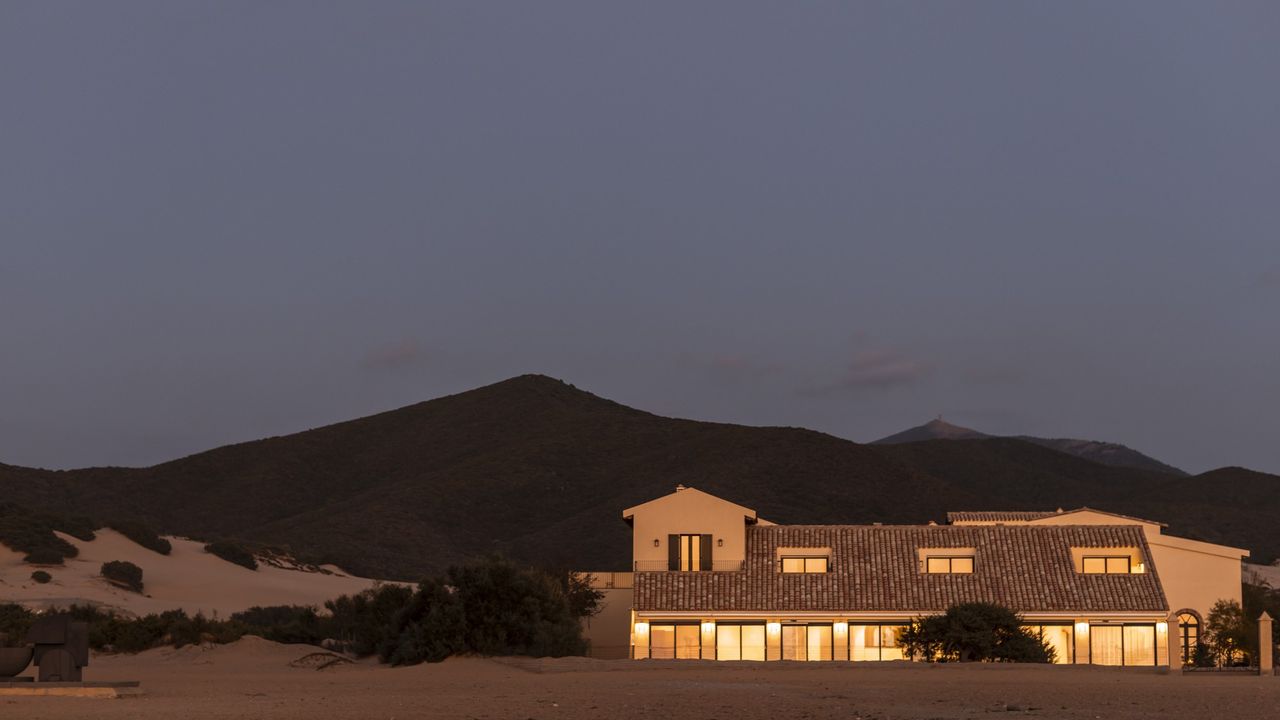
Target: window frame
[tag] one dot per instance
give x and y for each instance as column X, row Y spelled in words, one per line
column 1106, row 564
column 804, row 564
column 973, row 564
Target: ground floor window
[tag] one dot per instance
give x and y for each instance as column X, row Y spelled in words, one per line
column 874, row 642
column 1061, row 638
column 806, row 642
column 740, row 642
column 1188, row 636
column 675, row 642
column 1122, row 644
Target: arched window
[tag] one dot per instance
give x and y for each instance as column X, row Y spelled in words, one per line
column 1188, row 636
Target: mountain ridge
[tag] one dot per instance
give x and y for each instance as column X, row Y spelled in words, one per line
column 1106, row 453
column 539, row 470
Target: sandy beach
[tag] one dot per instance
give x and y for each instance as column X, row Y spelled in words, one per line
column 254, row 678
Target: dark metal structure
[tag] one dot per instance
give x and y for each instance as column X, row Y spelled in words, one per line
column 58, row 645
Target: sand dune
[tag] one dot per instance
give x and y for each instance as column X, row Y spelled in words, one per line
column 189, row 578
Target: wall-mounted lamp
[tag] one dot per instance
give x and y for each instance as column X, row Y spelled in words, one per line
column 720, row 542
column 655, row 542
column 774, row 627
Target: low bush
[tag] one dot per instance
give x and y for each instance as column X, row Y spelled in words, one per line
column 143, row 535
column 41, row 576
column 123, row 573
column 975, row 632
column 233, row 553
column 44, row 556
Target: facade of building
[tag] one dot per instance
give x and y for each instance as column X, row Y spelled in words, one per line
column 712, row 580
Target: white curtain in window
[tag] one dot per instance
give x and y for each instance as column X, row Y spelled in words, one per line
column 1105, row 644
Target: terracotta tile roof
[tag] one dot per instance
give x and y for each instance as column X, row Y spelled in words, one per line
column 997, row 516
column 1030, row 515
column 876, row 569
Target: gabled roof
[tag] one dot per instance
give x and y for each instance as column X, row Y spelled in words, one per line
column 680, row 493
column 1033, row 515
column 876, row 569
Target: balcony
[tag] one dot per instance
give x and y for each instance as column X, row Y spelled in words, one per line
column 661, row 566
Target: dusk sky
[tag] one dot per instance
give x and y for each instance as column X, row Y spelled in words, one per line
column 222, row 221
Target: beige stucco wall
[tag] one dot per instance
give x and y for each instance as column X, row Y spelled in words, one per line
column 688, row 511
column 609, row 631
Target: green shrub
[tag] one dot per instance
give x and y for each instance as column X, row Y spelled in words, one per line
column 429, row 629
column 972, row 632
column 233, row 553
column 123, row 573
column 77, row 526
column 43, row 556
column 41, row 576
column 143, row 535
column 364, row 623
column 15, row 621
column 285, row 623
column 515, row 611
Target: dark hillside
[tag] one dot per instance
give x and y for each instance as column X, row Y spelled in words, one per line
column 541, row 471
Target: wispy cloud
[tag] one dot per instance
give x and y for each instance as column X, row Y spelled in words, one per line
column 876, row 368
column 884, row 368
column 400, row 355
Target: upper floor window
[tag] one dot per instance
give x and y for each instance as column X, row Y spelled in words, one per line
column 689, row 553
column 805, row 564
column 1106, row 565
column 953, row 564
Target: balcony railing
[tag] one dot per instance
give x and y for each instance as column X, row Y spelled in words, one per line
column 662, row 566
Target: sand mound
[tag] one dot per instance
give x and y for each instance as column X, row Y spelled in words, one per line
column 188, row 578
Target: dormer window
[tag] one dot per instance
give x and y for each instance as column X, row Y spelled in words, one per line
column 1108, row 560
column 1107, row 565
column 805, row 564
column 949, row 564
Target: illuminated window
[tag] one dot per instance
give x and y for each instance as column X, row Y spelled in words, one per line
column 675, row 642
column 1107, row 565
column 739, row 642
column 954, row 564
column 1059, row 637
column 804, row 564
column 1122, row 645
column 806, row 642
column 689, row 553
column 874, row 642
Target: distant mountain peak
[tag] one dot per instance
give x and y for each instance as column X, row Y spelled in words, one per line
column 1105, row 453
column 935, row 429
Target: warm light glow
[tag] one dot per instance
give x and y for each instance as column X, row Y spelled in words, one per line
column 774, row 628
column 841, row 628
column 708, row 627
column 1162, row 627
column 642, row 628
column 1082, row 628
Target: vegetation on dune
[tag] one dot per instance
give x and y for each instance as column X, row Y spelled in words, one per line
column 123, row 573
column 492, row 607
column 233, row 552
column 975, row 632
column 33, row 533
column 41, row 576
column 142, row 535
